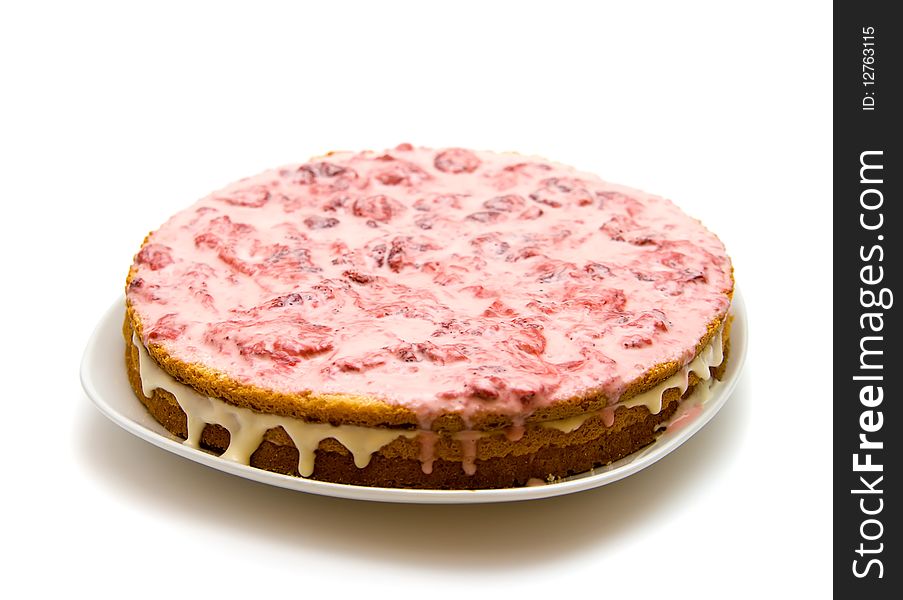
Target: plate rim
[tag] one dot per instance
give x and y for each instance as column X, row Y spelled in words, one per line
column 595, row 478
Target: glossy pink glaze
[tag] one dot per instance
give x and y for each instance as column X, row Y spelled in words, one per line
column 440, row 280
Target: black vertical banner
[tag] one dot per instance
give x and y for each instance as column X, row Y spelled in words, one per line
column 868, row 425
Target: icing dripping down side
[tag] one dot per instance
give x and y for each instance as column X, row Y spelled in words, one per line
column 247, row 428
column 711, row 356
column 576, row 422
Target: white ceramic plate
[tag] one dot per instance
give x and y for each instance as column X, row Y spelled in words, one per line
column 103, row 377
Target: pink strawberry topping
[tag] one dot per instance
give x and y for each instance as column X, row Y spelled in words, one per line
column 447, row 280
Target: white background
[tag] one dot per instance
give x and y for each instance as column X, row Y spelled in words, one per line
column 113, row 118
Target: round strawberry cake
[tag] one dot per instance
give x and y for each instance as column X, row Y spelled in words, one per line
column 426, row 318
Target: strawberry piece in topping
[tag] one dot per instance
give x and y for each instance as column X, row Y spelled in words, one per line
column 298, row 339
column 531, row 214
column 253, row 197
column 404, row 251
column 561, row 191
column 647, row 323
column 631, row 205
column 228, row 255
column 512, row 175
column 155, row 256
column 486, row 387
column 607, row 301
column 336, row 202
column 624, row 229
column 358, row 277
column 439, row 202
column 425, row 222
column 597, row 270
column 613, row 299
column 529, row 340
column 553, row 270
column 401, row 172
column 207, row 240
column 364, row 362
column 524, row 253
column 506, row 203
column 293, row 299
column 283, row 260
column 377, row 252
column 406, row 352
column 324, row 175
column 166, row 328
column 318, row 222
column 379, row 208
column 486, row 216
column 530, row 169
column 443, row 353
column 499, row 309
column 480, row 291
column 490, row 244
column 396, row 259
column 139, row 288
column 223, row 226
column 489, row 384
column 456, row 160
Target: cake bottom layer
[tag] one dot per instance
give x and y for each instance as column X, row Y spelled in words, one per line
column 499, row 459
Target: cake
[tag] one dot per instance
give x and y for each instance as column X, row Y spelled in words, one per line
column 422, row 318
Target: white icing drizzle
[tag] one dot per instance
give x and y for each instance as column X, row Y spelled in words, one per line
column 568, row 424
column 711, row 356
column 246, row 427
